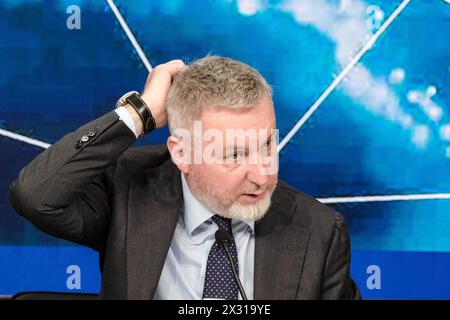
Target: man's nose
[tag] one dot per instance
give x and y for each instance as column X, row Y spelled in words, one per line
column 256, row 174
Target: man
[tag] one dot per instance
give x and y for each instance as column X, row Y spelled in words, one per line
column 152, row 212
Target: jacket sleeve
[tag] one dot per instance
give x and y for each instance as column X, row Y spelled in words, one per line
column 337, row 282
column 65, row 190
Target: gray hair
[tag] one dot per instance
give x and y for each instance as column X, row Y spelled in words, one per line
column 209, row 82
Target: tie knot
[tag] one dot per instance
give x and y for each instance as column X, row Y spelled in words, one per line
column 223, row 223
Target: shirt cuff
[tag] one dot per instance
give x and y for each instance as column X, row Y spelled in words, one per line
column 125, row 116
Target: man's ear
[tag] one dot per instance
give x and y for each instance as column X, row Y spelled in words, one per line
column 178, row 153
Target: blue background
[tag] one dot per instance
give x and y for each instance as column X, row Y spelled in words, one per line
column 384, row 130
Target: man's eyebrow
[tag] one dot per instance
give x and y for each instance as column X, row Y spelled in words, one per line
column 240, row 148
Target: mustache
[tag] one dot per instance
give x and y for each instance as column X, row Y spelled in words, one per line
column 269, row 188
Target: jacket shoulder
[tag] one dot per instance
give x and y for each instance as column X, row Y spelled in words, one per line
column 309, row 212
column 136, row 159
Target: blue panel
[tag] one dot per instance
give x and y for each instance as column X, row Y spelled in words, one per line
column 48, row 268
column 385, row 130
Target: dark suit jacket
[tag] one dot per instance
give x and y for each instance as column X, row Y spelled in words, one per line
column 124, row 202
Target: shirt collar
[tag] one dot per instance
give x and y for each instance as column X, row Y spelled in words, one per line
column 195, row 213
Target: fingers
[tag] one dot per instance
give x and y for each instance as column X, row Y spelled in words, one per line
column 157, row 87
column 174, row 66
column 164, row 72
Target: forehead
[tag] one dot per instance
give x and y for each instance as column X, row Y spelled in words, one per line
column 260, row 116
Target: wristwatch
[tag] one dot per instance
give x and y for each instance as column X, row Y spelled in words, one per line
column 134, row 99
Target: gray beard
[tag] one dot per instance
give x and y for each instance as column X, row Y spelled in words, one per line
column 230, row 209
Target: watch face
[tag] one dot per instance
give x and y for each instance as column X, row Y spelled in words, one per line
column 123, row 99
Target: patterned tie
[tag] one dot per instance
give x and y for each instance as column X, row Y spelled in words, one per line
column 219, row 280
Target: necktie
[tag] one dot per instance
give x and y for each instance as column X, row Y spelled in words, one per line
column 219, row 280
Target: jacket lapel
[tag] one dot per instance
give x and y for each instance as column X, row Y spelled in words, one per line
column 280, row 248
column 153, row 209
column 152, row 217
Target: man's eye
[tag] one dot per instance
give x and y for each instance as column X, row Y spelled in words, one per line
column 268, row 144
column 235, row 155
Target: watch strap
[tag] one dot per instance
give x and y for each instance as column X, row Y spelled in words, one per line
column 143, row 111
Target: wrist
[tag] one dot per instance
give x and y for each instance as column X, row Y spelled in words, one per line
column 138, row 125
column 158, row 115
column 146, row 122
